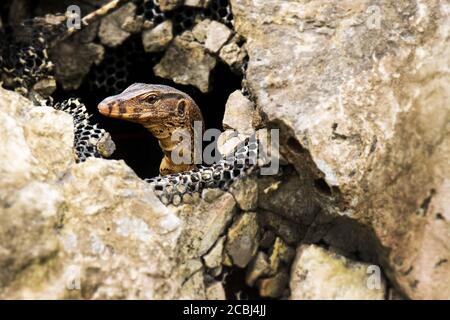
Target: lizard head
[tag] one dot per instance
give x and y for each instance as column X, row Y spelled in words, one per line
column 152, row 105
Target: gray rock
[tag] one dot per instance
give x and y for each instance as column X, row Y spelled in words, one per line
column 273, row 287
column 45, row 87
column 200, row 30
column 215, row 291
column 216, row 36
column 369, row 110
column 186, row 62
column 289, row 230
column 158, row 38
column 245, row 192
column 213, row 259
column 258, row 268
column 242, row 239
column 99, row 232
column 111, row 32
column 168, row 5
column 74, row 57
column 197, row 3
column 318, row 274
column 238, row 113
column 233, row 54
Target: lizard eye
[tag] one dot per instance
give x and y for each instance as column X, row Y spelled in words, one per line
column 151, row 98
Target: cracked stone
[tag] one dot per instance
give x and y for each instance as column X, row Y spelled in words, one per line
column 186, row 62
column 111, row 32
column 258, row 268
column 168, row 5
column 158, row 38
column 213, row 259
column 242, row 239
column 197, row 3
column 238, row 113
column 245, row 192
column 216, row 36
column 275, row 286
column 319, row 274
column 215, row 291
column 200, row 30
column 281, row 255
column 233, row 54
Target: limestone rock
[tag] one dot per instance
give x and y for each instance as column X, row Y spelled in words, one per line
column 245, row 192
column 158, row 38
column 167, row 5
column 217, row 35
column 197, row 3
column 233, row 54
column 186, row 62
column 74, row 57
column 258, row 268
column 215, row 291
column 45, row 87
column 369, row 107
column 242, row 239
column 111, row 32
column 321, row 274
column 238, row 113
column 92, row 230
column 273, row 287
column 200, row 30
column 213, row 259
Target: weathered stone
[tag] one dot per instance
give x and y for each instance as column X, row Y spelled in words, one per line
column 186, row 62
column 217, row 35
column 111, row 32
column 168, row 5
column 290, row 231
column 213, row 259
column 245, row 192
column 200, row 30
column 321, row 274
column 267, row 239
column 133, row 24
column 238, row 113
column 233, row 54
column 290, row 195
column 99, row 232
column 281, row 256
column 275, row 286
column 258, row 268
column 74, row 57
column 242, row 239
column 158, row 38
column 215, row 291
column 197, row 3
column 206, row 222
column 370, row 108
column 45, row 87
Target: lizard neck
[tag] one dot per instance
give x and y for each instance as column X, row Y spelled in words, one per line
column 168, row 143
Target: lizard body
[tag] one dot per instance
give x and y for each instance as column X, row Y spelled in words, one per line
column 162, row 110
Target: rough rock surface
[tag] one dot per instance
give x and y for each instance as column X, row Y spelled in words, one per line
column 238, row 113
column 216, row 36
column 186, row 62
column 111, row 32
column 92, row 230
column 197, row 3
column 318, row 274
column 362, row 91
column 74, row 57
column 158, row 38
